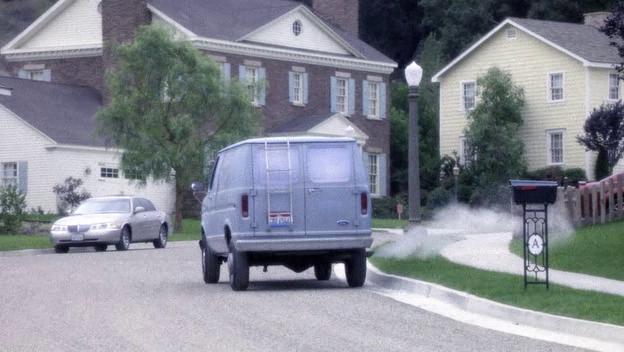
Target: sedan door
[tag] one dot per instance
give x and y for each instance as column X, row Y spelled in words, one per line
column 152, row 225
column 139, row 221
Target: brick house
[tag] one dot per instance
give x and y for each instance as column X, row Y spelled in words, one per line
column 321, row 79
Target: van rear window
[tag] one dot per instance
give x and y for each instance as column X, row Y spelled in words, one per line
column 330, row 164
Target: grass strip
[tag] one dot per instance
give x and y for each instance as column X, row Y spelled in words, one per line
column 389, row 223
column 509, row 289
column 17, row 242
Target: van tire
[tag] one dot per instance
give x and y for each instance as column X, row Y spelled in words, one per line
column 355, row 268
column 323, row 271
column 238, row 266
column 211, row 266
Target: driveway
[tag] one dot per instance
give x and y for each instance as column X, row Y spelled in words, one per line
column 155, row 300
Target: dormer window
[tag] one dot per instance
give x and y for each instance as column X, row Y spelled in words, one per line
column 297, row 28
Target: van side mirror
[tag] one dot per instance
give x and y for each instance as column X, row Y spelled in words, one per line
column 197, row 186
column 139, row 210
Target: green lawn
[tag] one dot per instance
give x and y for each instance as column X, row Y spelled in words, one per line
column 15, row 242
column 509, row 289
column 595, row 250
column 191, row 231
column 389, row 223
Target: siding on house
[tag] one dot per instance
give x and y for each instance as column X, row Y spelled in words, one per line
column 79, row 24
column 49, row 166
column 529, row 61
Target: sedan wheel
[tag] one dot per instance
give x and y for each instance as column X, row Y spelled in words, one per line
column 61, row 249
column 163, row 234
column 101, row 247
column 124, row 240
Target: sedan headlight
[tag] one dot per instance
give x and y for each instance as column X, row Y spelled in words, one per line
column 107, row 226
column 59, row 228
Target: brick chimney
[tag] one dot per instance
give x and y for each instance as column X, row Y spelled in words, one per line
column 120, row 20
column 596, row 19
column 342, row 13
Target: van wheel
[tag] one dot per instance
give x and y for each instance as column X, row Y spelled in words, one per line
column 356, row 268
column 210, row 265
column 161, row 241
column 323, row 271
column 238, row 266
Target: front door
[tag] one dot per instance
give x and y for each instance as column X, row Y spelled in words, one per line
column 330, row 197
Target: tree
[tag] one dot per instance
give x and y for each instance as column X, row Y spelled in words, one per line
column 169, row 104
column 493, row 132
column 604, row 133
column 614, row 29
column 68, row 194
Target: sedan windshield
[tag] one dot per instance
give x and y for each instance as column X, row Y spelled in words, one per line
column 102, row 206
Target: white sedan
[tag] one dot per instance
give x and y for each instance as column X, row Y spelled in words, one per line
column 99, row 222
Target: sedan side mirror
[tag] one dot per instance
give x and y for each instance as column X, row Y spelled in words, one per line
column 197, row 186
column 139, row 210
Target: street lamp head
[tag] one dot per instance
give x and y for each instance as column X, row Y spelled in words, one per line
column 456, row 170
column 413, row 74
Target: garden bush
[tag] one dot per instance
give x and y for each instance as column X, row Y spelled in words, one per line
column 12, row 209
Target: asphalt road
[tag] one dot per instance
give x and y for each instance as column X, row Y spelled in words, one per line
column 155, row 300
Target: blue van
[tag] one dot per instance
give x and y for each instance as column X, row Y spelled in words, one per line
column 300, row 202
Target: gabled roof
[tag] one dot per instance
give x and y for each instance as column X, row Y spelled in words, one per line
column 582, row 42
column 330, row 124
column 64, row 113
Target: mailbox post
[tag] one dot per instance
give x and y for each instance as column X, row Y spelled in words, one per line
column 535, row 196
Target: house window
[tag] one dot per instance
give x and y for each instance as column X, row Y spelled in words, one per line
column 373, row 100
column 614, row 86
column 133, row 174
column 297, row 82
column 342, row 96
column 251, row 74
column 9, row 174
column 109, row 172
column 555, row 87
column 373, row 173
column 464, row 151
column 555, row 147
column 297, row 28
column 469, row 95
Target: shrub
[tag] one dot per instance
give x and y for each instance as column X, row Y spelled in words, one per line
column 385, row 207
column 68, row 194
column 574, row 175
column 12, row 206
column 438, row 198
column 570, row 176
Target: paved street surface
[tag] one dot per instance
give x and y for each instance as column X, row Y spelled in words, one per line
column 155, row 300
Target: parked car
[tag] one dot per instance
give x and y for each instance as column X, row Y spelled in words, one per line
column 300, row 202
column 103, row 221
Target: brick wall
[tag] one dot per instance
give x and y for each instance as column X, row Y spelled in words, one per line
column 343, row 13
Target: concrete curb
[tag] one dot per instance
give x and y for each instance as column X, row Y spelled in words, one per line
column 519, row 316
column 392, row 231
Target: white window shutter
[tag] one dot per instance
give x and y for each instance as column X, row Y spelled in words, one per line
column 333, row 91
column 47, row 75
column 22, row 176
column 365, row 93
column 383, row 174
column 383, row 109
column 242, row 73
column 351, row 96
column 227, row 72
column 305, row 88
column 291, row 86
column 262, row 85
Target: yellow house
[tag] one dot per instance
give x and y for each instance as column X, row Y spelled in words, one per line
column 565, row 69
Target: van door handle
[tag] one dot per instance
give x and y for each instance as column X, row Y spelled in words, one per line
column 312, row 190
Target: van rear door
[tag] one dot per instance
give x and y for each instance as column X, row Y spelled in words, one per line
column 330, row 192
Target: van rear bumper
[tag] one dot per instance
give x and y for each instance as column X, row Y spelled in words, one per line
column 303, row 244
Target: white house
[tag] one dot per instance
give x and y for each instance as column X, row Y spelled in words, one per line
column 47, row 133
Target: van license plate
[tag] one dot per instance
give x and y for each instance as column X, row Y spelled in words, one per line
column 280, row 219
column 78, row 237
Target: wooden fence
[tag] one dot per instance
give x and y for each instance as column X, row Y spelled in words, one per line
column 594, row 203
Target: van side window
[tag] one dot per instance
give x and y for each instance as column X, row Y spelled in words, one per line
column 214, row 173
column 329, row 164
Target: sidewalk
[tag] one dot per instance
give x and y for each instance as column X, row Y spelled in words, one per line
column 491, row 252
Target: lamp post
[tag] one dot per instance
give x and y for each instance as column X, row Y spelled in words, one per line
column 413, row 75
column 456, row 174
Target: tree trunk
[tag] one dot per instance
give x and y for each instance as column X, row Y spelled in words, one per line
column 179, row 190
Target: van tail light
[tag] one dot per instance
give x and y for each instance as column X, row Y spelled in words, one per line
column 364, row 203
column 245, row 205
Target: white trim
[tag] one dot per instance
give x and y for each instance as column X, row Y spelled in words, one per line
column 549, row 134
column 588, row 154
column 377, row 101
column 346, row 96
column 462, row 104
column 377, row 175
column 170, row 21
column 314, row 18
column 66, row 52
column 31, row 30
column 300, row 86
column 549, row 87
column 26, row 123
column 436, row 77
column 73, row 147
column 619, row 93
column 17, row 172
column 462, row 150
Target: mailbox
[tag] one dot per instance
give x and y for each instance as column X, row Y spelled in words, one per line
column 534, row 192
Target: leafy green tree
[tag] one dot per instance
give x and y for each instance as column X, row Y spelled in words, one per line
column 169, row 104
column 68, row 194
column 493, row 132
column 12, row 209
column 604, row 134
column 614, row 29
